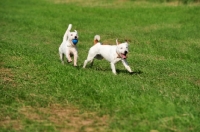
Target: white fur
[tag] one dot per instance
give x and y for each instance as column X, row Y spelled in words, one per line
column 112, row 53
column 67, row 48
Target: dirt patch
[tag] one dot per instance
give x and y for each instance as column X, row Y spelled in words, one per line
column 194, row 81
column 8, row 123
column 67, row 118
column 6, row 76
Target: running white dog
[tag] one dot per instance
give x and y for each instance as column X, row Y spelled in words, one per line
column 112, row 53
column 68, row 46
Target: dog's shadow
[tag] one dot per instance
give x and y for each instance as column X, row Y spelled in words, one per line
column 136, row 72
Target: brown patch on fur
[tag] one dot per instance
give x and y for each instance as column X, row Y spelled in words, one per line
column 95, row 41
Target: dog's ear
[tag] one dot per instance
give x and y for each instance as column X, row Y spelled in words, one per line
column 75, row 31
column 117, row 42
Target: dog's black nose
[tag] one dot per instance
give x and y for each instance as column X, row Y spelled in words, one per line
column 75, row 37
column 125, row 52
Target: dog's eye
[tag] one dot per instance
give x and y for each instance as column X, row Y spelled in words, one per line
column 71, row 34
column 121, row 48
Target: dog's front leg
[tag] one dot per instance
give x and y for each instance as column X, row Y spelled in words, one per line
column 113, row 68
column 126, row 65
column 69, row 59
column 75, row 58
column 85, row 63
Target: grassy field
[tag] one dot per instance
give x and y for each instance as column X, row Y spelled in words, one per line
column 38, row 93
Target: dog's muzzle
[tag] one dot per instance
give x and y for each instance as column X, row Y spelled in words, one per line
column 123, row 56
column 75, row 41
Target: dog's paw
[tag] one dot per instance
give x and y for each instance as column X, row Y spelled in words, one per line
column 69, row 61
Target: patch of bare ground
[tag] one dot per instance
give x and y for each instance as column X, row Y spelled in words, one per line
column 6, row 76
column 195, row 81
column 8, row 123
column 67, row 118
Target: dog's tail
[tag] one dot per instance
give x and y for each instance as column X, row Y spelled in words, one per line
column 96, row 39
column 67, row 31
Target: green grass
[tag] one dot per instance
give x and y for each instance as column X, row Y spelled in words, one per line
column 38, row 93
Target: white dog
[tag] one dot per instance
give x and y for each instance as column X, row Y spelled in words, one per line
column 112, row 53
column 68, row 46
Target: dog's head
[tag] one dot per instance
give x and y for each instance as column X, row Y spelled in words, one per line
column 122, row 49
column 73, row 37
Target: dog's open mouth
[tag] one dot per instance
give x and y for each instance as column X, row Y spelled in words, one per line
column 124, row 56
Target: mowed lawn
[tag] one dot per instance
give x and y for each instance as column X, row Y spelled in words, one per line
column 38, row 93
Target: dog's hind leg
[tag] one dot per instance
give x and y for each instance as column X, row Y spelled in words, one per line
column 89, row 59
column 85, row 63
column 92, row 62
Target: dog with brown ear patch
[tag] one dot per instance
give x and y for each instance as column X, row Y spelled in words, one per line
column 112, row 53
